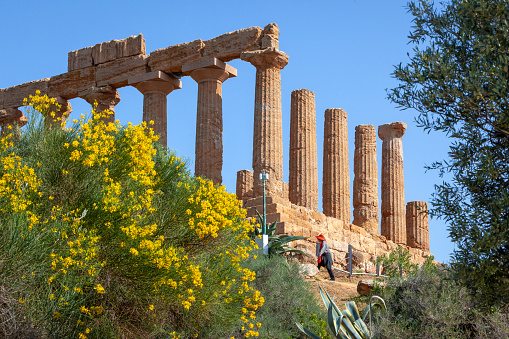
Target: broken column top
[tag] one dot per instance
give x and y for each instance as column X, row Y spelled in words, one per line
column 394, row 129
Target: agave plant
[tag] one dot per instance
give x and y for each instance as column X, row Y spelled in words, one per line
column 347, row 324
column 278, row 244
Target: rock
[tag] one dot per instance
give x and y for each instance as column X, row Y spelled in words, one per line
column 365, row 286
column 308, row 270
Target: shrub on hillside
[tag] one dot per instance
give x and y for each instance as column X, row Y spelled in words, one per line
column 104, row 234
column 288, row 299
column 429, row 304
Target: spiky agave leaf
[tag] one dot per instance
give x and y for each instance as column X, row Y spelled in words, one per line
column 307, row 332
column 373, row 301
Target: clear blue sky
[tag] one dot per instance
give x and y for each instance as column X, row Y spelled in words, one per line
column 343, row 50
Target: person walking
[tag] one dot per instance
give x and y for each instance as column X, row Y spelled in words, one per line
column 324, row 256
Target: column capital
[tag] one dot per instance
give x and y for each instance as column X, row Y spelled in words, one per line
column 12, row 115
column 392, row 130
column 155, row 82
column 209, row 63
column 266, row 58
column 106, row 96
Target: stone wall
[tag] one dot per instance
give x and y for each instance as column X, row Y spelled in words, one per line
column 298, row 220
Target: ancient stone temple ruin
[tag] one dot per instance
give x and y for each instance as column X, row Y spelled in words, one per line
column 95, row 73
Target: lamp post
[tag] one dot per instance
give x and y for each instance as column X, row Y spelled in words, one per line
column 264, row 177
column 263, row 243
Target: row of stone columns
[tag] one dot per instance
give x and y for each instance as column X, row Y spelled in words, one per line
column 396, row 225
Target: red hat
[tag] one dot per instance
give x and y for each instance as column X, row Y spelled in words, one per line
column 320, row 237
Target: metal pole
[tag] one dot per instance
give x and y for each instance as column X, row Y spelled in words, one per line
column 350, row 259
column 264, row 226
column 400, row 271
column 377, row 270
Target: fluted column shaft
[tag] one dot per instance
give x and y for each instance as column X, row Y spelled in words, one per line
column 106, row 98
column 336, row 173
column 209, row 123
column 155, row 107
column 303, row 176
column 268, row 124
column 365, row 182
column 417, row 225
column 393, row 225
column 155, row 87
column 244, row 187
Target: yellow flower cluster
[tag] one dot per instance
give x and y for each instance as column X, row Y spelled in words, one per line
column 46, row 106
column 126, row 205
column 18, row 183
column 216, row 209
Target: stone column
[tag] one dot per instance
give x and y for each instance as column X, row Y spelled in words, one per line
column 268, row 124
column 393, row 225
column 244, row 187
column 417, row 225
column 209, row 73
column 303, row 178
column 60, row 113
column 365, row 182
column 155, row 86
column 105, row 96
column 11, row 121
column 336, row 171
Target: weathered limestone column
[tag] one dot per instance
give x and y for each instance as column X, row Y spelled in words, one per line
column 155, row 86
column 365, row 182
column 417, row 225
column 11, row 121
column 244, row 187
column 61, row 113
column 268, row 124
column 336, row 172
column 105, row 96
column 393, row 225
column 209, row 73
column 303, row 176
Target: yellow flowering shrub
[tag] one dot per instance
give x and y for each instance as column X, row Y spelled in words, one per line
column 108, row 223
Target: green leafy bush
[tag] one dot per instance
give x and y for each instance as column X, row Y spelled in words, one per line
column 398, row 258
column 288, row 299
column 430, row 304
column 104, row 234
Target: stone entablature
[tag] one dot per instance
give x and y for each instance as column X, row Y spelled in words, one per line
column 95, row 73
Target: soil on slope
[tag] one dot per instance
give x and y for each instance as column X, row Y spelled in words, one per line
column 344, row 289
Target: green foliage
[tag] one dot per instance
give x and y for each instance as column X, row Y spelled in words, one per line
column 278, row 243
column 347, row 324
column 429, row 303
column 288, row 299
column 398, row 258
column 104, row 234
column 457, row 79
